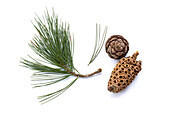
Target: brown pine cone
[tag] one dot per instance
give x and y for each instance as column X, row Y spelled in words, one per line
column 117, row 46
column 124, row 72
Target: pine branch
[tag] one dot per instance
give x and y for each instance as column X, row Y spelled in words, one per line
column 98, row 42
column 55, row 46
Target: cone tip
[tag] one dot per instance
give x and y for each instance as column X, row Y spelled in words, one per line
column 135, row 55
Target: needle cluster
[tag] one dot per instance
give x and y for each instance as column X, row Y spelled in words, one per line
column 54, row 45
column 99, row 41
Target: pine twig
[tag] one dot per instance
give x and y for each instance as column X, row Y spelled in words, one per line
column 55, row 46
column 80, row 75
column 88, row 75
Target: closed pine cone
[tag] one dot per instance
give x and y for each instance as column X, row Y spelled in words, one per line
column 124, row 72
column 117, row 46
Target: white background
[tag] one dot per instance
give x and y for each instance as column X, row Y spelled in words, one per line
column 144, row 23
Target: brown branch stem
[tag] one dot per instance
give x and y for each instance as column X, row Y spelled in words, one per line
column 88, row 75
column 80, row 75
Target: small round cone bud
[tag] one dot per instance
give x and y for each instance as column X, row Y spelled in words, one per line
column 117, row 46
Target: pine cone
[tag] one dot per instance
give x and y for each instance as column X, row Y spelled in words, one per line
column 117, row 46
column 123, row 74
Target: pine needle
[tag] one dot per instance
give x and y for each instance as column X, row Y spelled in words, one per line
column 46, row 98
column 98, row 42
